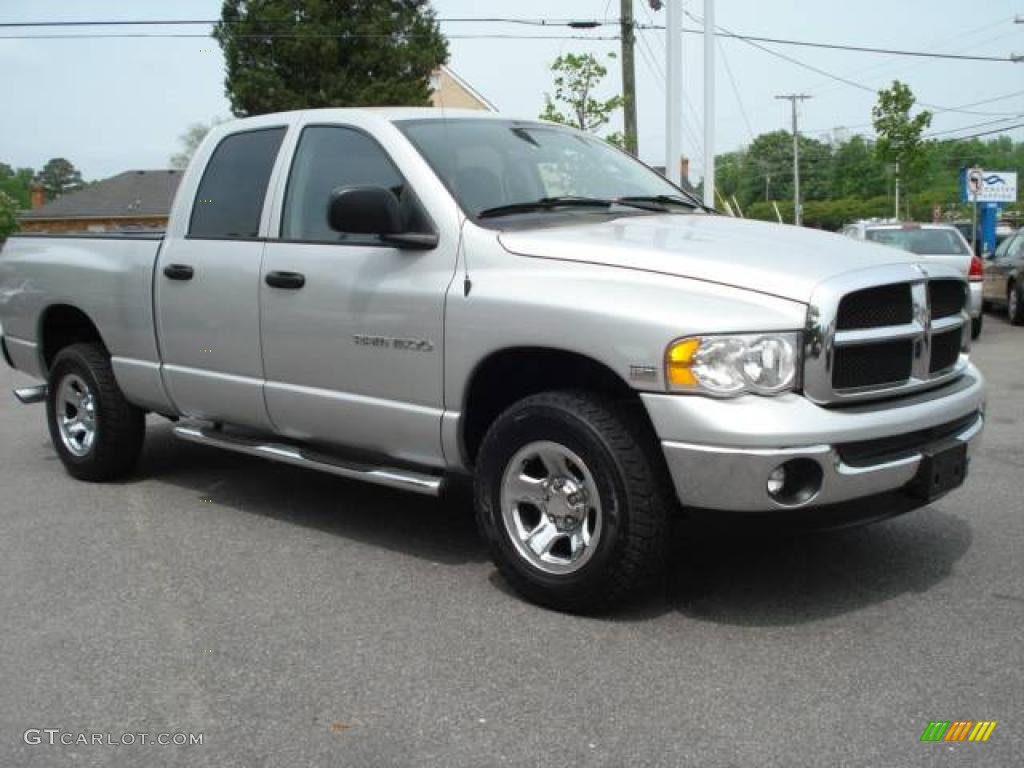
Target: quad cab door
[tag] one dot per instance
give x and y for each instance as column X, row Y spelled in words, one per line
column 352, row 327
column 207, row 285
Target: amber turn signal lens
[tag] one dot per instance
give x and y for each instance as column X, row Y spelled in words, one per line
column 678, row 361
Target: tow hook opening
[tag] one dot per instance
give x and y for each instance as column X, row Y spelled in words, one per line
column 795, row 482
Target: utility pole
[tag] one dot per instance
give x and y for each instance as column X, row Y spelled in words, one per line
column 793, row 98
column 628, row 74
column 709, row 103
column 897, row 181
column 674, row 90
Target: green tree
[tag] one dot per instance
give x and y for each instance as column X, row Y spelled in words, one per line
column 17, row 184
column 856, row 170
column 577, row 77
column 59, row 176
column 8, row 215
column 300, row 54
column 900, row 135
column 767, row 169
column 190, row 141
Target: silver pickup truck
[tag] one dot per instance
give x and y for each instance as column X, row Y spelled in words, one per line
column 404, row 295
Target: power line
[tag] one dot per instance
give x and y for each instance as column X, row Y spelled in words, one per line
column 543, row 22
column 833, row 76
column 985, row 133
column 837, row 46
column 961, row 35
column 736, row 90
column 277, row 36
column 973, row 125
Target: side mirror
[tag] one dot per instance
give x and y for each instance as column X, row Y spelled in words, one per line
column 364, row 211
column 374, row 210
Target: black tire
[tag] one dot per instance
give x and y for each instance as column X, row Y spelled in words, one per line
column 976, row 323
column 1015, row 304
column 624, row 460
column 119, row 427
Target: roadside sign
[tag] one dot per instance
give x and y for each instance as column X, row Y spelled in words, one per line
column 978, row 185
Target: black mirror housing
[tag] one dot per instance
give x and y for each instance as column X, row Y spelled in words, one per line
column 366, row 210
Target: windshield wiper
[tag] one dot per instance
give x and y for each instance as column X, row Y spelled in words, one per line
column 545, row 204
column 662, row 200
column 550, row 203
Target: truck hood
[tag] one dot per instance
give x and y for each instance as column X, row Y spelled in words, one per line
column 776, row 259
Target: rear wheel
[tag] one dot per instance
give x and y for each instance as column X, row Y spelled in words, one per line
column 96, row 432
column 1015, row 304
column 572, row 500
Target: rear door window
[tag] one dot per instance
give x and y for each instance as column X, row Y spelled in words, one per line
column 229, row 202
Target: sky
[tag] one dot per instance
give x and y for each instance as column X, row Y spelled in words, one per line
column 110, row 105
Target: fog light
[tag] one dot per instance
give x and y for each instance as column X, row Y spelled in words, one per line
column 795, row 482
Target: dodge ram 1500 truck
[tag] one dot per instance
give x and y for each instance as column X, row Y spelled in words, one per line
column 401, row 295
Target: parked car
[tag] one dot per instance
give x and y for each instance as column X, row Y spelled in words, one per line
column 1003, row 284
column 941, row 243
column 404, row 295
column 966, row 228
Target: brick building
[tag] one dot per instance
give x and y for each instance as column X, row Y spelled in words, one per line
column 131, row 200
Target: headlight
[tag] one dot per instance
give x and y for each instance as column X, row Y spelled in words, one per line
column 763, row 363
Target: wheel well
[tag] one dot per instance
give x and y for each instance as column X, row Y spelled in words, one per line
column 512, row 374
column 63, row 325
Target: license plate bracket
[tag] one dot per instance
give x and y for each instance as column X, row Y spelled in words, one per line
column 943, row 468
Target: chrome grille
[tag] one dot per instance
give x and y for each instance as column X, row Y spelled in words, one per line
column 885, row 332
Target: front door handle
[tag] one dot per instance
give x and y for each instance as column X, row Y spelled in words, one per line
column 179, row 272
column 288, row 280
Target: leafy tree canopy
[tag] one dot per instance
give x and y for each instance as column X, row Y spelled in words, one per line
column 577, row 77
column 899, row 135
column 17, row 184
column 8, row 215
column 301, row 54
column 190, row 141
column 59, row 176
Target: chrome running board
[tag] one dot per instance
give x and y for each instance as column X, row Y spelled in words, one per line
column 31, row 395
column 406, row 480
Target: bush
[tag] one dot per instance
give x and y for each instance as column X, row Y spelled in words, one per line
column 8, row 215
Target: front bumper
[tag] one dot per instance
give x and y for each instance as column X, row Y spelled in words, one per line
column 720, row 453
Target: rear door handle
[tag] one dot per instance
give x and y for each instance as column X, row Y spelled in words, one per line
column 179, row 272
column 288, row 280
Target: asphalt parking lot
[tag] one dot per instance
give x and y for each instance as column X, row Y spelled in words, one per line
column 295, row 619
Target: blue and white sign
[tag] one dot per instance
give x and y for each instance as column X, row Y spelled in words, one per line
column 977, row 185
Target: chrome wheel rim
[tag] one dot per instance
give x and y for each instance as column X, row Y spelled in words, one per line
column 76, row 415
column 1011, row 303
column 550, row 507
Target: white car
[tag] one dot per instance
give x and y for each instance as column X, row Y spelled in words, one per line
column 942, row 243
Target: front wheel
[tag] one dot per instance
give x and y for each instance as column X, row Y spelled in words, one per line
column 96, row 432
column 572, row 499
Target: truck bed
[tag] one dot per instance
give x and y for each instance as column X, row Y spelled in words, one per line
column 108, row 276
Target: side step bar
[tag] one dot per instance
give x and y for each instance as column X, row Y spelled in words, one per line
column 31, row 395
column 406, row 480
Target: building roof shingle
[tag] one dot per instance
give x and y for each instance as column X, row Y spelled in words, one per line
column 129, row 194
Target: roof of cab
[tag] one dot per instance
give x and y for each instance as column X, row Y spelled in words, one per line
column 390, row 114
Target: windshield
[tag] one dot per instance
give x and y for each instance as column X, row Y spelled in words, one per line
column 930, row 242
column 491, row 164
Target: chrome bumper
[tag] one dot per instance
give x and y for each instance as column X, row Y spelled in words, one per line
column 720, row 453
